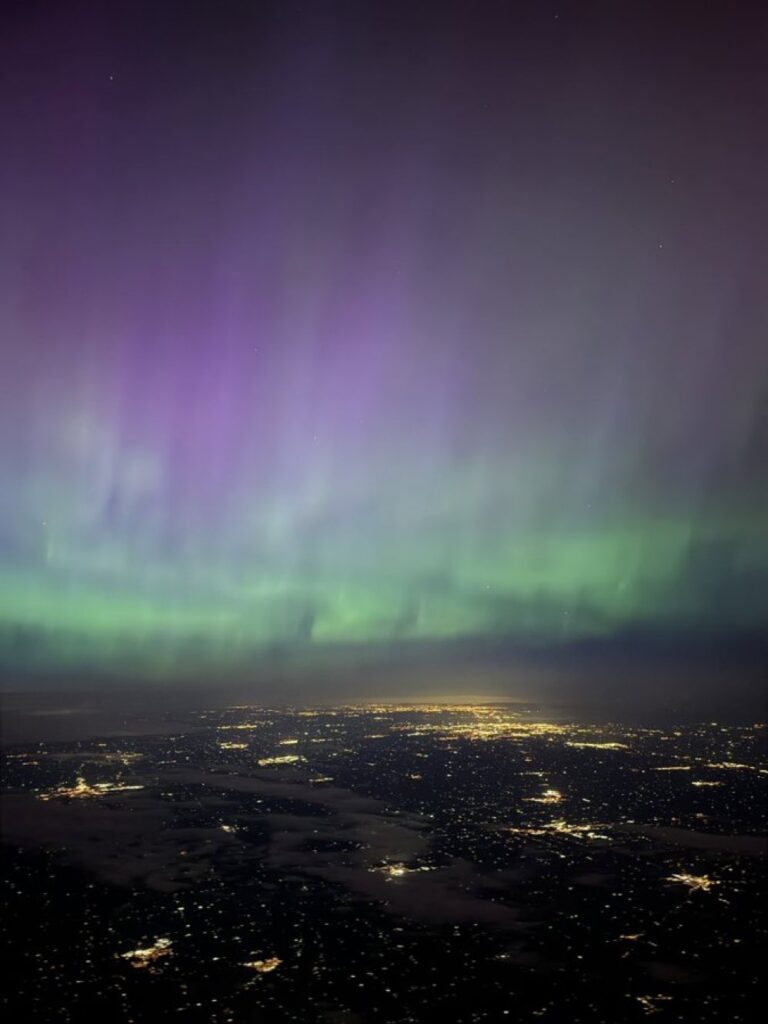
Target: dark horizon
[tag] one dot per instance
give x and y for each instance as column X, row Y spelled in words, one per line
column 628, row 678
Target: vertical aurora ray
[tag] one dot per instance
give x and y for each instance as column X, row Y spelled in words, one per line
column 283, row 364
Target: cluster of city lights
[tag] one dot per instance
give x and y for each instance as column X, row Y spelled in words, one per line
column 83, row 790
column 696, row 883
column 549, row 796
column 650, row 1003
column 144, row 957
column 596, row 745
column 398, row 870
column 559, row 828
column 264, row 966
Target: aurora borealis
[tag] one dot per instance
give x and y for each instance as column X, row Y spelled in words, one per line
column 347, row 323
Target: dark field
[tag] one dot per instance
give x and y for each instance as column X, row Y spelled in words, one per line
column 392, row 863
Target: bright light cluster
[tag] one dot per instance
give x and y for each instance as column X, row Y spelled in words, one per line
column 398, row 870
column 696, row 883
column 143, row 957
column 263, row 762
column 549, row 796
column 648, row 1003
column 560, row 828
column 82, row 790
column 264, row 966
column 596, row 746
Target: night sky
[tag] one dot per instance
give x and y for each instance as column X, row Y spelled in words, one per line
column 376, row 322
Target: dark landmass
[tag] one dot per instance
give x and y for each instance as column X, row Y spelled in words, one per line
column 381, row 863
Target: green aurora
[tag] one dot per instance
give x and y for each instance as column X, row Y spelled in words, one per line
column 323, row 332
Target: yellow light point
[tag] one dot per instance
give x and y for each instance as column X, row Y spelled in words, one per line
column 144, row 957
column 631, row 938
column 727, row 764
column 283, row 759
column 696, row 883
column 228, row 828
column 674, row 768
column 705, row 782
column 264, row 966
column 549, row 796
column 287, row 743
column 231, row 745
column 321, row 778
